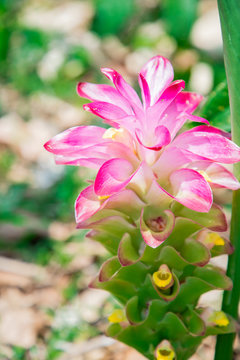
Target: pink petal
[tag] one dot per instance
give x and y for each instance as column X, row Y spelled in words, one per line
column 219, row 176
column 169, row 94
column 158, row 74
column 191, row 189
column 147, row 155
column 128, row 122
column 162, row 135
column 124, row 88
column 81, row 145
column 127, row 202
column 196, row 118
column 188, row 101
column 78, row 137
column 179, row 111
column 74, row 155
column 94, row 163
column 154, row 113
column 106, row 111
column 209, row 144
column 146, row 95
column 156, row 228
column 113, row 176
column 171, row 159
column 158, row 197
column 86, row 205
column 118, row 225
column 103, row 93
column 96, row 155
column 211, row 129
column 160, row 138
column 142, row 180
column 89, row 204
column 115, row 149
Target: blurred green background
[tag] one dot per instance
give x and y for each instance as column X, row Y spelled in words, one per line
column 46, row 47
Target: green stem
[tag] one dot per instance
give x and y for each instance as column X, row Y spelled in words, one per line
column 229, row 11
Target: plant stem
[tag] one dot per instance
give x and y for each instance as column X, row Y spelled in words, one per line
column 229, row 11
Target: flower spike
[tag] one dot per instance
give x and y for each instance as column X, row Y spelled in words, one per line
column 151, row 206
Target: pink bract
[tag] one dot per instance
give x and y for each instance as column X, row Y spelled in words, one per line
column 143, row 148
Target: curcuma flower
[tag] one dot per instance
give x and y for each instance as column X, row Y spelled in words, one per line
column 145, row 164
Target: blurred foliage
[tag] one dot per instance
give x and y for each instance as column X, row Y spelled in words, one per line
column 29, row 46
column 8, row 17
column 20, row 205
column 180, row 17
column 112, row 16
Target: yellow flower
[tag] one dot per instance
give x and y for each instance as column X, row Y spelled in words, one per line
column 219, row 318
column 117, row 316
column 165, row 351
column 163, row 278
column 214, row 238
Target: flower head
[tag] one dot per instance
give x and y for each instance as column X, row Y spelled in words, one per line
column 143, row 151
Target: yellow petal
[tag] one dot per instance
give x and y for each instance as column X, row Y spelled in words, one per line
column 215, row 239
column 163, row 277
column 165, row 353
column 103, row 197
column 117, row 316
column 219, row 318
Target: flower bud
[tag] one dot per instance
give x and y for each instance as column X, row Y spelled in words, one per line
column 163, row 278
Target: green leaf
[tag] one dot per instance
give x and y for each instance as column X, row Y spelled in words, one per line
column 107, row 239
column 195, row 252
column 133, row 311
column 108, row 269
column 194, row 322
column 213, row 276
column 214, row 220
column 189, row 293
column 113, row 330
column 216, row 108
column 172, row 258
column 127, row 252
column 121, row 289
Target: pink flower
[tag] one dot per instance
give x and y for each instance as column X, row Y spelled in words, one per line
column 142, row 155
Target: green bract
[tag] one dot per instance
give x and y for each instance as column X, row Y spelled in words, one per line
column 153, row 314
